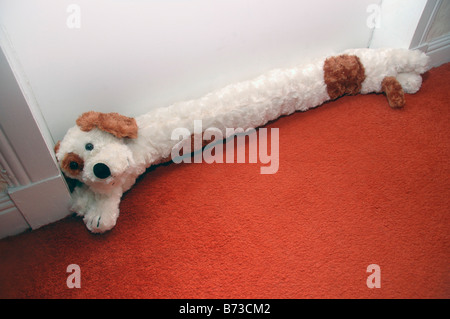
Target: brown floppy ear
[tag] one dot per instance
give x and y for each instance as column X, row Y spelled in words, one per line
column 113, row 123
column 87, row 121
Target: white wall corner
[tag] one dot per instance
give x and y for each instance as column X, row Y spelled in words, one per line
column 437, row 48
column 398, row 23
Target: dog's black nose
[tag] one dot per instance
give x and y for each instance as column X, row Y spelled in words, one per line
column 101, row 171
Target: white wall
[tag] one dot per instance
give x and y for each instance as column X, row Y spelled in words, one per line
column 131, row 56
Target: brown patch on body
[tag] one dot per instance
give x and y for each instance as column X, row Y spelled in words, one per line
column 343, row 74
column 114, row 123
column 72, row 164
column 394, row 92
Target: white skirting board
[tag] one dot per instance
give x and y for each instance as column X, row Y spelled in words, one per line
column 438, row 50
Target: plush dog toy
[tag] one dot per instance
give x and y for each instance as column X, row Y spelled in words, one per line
column 107, row 152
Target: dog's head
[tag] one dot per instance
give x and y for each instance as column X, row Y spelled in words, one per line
column 95, row 151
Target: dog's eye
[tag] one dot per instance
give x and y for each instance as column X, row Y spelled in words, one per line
column 89, row 147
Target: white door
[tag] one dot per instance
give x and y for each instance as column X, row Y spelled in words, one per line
column 36, row 193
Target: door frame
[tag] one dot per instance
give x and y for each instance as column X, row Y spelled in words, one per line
column 437, row 49
column 37, row 193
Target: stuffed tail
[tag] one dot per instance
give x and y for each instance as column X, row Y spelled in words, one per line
column 409, row 65
column 409, row 61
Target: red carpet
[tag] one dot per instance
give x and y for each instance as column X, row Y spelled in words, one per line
column 358, row 184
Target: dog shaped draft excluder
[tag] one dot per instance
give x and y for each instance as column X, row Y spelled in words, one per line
column 107, row 152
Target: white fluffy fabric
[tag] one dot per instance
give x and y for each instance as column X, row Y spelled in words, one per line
column 245, row 105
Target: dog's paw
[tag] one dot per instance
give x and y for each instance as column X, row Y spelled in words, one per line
column 99, row 223
column 82, row 201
